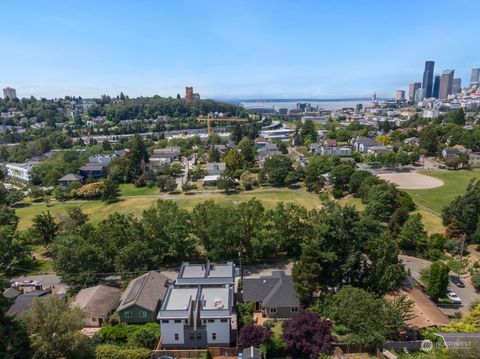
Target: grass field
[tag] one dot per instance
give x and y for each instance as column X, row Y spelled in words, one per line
column 455, row 183
column 99, row 210
column 131, row 190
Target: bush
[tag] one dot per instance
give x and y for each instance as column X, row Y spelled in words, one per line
column 144, row 337
column 476, row 280
column 255, row 335
column 269, row 323
column 126, row 333
column 108, row 351
column 89, row 191
column 337, row 193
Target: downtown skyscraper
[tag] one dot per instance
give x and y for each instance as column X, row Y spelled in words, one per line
column 446, row 84
column 428, row 78
column 475, row 78
column 436, row 86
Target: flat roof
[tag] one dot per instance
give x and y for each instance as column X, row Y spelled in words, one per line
column 215, row 298
column 180, row 298
column 223, row 270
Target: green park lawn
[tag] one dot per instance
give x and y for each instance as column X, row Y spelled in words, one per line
column 136, row 204
column 455, row 183
column 129, row 189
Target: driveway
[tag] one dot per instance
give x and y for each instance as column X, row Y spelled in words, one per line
column 48, row 281
column 468, row 294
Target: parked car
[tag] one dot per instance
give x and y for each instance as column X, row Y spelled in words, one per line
column 454, row 297
column 457, row 281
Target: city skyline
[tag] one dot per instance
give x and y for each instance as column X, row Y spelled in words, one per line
column 266, row 50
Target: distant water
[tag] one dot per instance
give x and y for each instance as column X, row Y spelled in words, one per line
column 292, row 104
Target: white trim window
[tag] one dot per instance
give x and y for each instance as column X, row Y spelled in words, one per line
column 127, row 314
column 142, row 314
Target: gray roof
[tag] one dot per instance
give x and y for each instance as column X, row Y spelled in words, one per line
column 93, row 167
column 71, row 177
column 97, row 300
column 23, row 302
column 145, row 291
column 366, row 141
column 252, row 353
column 274, row 291
column 210, row 273
column 11, row 293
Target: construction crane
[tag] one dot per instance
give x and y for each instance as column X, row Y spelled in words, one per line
column 209, row 119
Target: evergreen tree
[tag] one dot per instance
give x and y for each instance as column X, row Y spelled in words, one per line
column 111, row 191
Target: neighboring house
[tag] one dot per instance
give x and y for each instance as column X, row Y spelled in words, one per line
column 474, row 160
column 98, row 302
column 251, row 353
column 414, row 141
column 20, row 172
column 335, row 151
column 450, row 153
column 122, row 153
column 362, row 144
column 198, row 309
column 142, row 298
column 330, row 142
column 102, row 159
column 379, row 149
column 269, row 150
column 315, row 148
column 171, row 152
column 274, row 296
column 461, row 149
column 93, row 170
column 215, row 168
column 66, row 180
column 210, row 180
column 24, row 301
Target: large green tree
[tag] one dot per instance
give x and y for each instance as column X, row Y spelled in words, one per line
column 437, row 280
column 45, row 227
column 277, row 168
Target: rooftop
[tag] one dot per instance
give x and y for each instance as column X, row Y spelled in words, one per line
column 210, row 273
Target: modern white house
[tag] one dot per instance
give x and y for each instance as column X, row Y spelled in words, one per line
column 21, row 172
column 198, row 309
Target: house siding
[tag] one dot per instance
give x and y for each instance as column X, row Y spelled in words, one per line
column 282, row 312
column 135, row 317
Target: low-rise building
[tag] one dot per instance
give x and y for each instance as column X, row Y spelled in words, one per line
column 362, row 144
column 20, row 172
column 474, row 160
column 142, row 299
column 98, row 302
column 215, row 168
column 274, row 296
column 93, row 170
column 66, row 180
column 450, row 153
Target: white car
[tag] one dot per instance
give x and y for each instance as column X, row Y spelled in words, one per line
column 454, row 297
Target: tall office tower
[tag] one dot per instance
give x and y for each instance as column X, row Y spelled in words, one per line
column 456, row 86
column 428, row 78
column 412, row 88
column 446, row 84
column 400, row 95
column 419, row 95
column 9, row 93
column 436, row 86
column 475, row 79
column 189, row 93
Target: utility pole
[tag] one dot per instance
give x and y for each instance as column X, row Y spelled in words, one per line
column 461, row 254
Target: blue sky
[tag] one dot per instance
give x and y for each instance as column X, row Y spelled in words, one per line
column 232, row 49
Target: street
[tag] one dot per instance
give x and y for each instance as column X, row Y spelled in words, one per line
column 468, row 294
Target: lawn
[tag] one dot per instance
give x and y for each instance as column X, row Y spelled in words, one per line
column 99, row 210
column 129, row 189
column 455, row 183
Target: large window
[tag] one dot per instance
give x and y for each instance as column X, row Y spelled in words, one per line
column 178, row 321
column 128, row 314
column 165, row 321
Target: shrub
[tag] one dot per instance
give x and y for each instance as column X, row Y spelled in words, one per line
column 89, row 191
column 337, row 193
column 108, row 351
column 126, row 333
column 255, row 335
column 476, row 280
column 269, row 323
column 144, row 337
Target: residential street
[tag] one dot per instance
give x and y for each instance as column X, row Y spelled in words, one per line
column 468, row 294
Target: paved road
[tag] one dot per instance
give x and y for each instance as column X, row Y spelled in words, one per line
column 468, row 294
column 48, row 281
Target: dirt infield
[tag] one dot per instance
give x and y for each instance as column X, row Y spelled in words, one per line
column 411, row 180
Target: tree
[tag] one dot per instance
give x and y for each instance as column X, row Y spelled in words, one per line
column 340, row 176
column 166, row 183
column 352, row 308
column 306, row 336
column 106, row 145
column 382, row 200
column 45, row 227
column 356, row 180
column 246, row 147
column 412, row 235
column 226, row 183
column 234, row 160
column 437, row 282
column 277, row 168
column 429, row 140
column 54, row 329
column 111, row 191
column 308, row 133
column 213, row 154
column 315, row 170
column 253, row 335
column 145, row 337
column 138, row 157
column 456, row 116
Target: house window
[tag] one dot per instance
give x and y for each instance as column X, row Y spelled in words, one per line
column 128, row 315
column 199, row 336
column 214, row 336
column 165, row 321
column 94, row 319
column 294, row 309
column 191, row 336
column 211, row 321
column 178, row 321
column 142, row 314
column 224, row 320
column 176, row 336
column 273, row 310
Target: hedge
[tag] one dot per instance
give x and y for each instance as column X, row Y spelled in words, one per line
column 108, row 351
